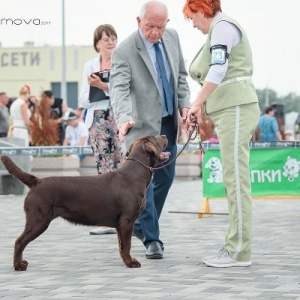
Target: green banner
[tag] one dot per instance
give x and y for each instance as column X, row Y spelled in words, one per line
column 272, row 172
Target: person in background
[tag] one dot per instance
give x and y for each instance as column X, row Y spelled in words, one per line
column 4, row 114
column 59, row 108
column 223, row 67
column 76, row 132
column 33, row 103
column 148, row 89
column 288, row 135
column 44, row 128
column 268, row 127
column 80, row 113
column 99, row 116
column 10, row 101
column 20, row 115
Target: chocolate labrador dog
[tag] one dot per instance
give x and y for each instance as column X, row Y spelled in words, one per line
column 113, row 199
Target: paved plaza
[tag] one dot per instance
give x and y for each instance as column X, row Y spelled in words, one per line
column 68, row 263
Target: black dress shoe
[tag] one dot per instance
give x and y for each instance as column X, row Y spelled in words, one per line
column 154, row 251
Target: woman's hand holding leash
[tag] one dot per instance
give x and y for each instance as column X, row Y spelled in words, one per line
column 193, row 121
column 193, row 116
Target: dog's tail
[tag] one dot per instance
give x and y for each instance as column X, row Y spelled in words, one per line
column 14, row 170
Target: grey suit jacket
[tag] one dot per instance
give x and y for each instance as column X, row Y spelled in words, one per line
column 134, row 90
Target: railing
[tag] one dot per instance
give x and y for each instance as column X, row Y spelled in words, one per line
column 63, row 150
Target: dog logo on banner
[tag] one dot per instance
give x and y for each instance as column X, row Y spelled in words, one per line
column 291, row 168
column 215, row 167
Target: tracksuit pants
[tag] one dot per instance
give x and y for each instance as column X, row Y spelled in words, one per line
column 235, row 127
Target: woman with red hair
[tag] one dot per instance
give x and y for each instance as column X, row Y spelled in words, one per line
column 223, row 67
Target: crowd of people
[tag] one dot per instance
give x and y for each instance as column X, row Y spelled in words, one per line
column 39, row 121
column 146, row 93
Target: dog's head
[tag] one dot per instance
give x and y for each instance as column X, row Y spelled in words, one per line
column 214, row 164
column 152, row 145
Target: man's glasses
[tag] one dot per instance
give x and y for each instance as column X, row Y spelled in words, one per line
column 107, row 40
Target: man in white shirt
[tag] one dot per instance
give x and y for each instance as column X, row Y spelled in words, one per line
column 76, row 132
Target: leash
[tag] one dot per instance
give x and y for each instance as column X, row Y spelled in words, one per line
column 195, row 132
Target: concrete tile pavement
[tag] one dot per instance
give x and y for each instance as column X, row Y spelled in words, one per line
column 66, row 262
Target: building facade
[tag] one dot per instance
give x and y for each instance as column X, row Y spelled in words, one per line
column 41, row 68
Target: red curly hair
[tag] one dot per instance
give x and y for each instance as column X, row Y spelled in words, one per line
column 208, row 7
column 44, row 128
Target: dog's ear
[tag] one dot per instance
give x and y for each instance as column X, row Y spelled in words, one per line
column 149, row 146
column 135, row 144
column 129, row 150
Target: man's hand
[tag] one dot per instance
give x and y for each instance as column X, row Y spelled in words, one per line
column 184, row 112
column 125, row 127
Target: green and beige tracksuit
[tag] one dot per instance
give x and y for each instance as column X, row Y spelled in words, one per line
column 233, row 107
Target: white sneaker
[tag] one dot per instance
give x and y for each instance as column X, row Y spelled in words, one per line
column 204, row 259
column 224, row 260
column 103, row 230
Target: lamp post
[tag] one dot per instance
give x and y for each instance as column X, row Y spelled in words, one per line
column 63, row 87
column 267, row 100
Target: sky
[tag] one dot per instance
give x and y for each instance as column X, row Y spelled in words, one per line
column 271, row 25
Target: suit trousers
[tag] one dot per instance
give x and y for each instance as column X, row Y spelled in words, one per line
column 147, row 223
column 235, row 127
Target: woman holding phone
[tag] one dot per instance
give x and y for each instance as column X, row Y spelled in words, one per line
column 99, row 118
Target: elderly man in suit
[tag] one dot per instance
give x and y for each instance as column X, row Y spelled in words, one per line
column 148, row 91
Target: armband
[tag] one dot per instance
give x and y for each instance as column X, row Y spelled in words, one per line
column 218, row 55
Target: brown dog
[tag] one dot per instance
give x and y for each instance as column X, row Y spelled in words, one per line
column 113, row 199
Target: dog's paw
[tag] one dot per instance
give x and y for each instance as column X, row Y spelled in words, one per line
column 25, row 262
column 21, row 266
column 133, row 264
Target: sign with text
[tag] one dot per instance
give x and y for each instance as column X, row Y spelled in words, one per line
column 272, row 172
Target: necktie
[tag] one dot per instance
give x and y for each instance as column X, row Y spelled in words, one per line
column 162, row 75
